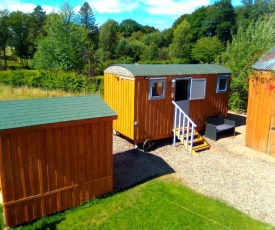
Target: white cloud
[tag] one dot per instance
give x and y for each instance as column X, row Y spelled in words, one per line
column 173, row 7
column 113, row 6
column 24, row 7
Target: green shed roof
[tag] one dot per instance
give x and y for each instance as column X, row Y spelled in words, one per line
column 23, row 113
column 135, row 70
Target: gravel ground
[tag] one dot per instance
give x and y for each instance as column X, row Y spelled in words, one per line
column 242, row 177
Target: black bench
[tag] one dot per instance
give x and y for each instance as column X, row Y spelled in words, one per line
column 216, row 125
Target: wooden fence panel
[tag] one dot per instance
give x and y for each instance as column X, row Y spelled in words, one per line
column 52, row 169
column 260, row 108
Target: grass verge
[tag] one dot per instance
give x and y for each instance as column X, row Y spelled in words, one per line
column 11, row 93
column 162, row 203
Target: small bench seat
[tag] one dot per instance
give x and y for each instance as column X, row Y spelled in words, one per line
column 218, row 124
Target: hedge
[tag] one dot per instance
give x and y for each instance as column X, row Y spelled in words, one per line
column 67, row 81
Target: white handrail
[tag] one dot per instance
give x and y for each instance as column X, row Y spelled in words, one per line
column 182, row 118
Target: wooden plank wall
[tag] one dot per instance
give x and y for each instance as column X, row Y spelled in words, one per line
column 213, row 104
column 119, row 95
column 50, row 169
column 260, row 110
column 154, row 117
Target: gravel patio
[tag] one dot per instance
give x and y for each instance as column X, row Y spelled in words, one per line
column 242, row 177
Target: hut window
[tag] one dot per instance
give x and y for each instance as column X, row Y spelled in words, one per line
column 222, row 83
column 157, row 88
column 198, row 87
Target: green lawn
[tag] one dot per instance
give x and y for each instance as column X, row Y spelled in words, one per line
column 162, row 203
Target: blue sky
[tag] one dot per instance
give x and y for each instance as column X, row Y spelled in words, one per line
column 158, row 13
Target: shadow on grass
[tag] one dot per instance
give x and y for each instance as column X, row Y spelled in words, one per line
column 134, row 167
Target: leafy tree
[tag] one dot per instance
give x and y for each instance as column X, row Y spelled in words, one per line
column 86, row 18
column 168, row 35
column 181, row 47
column 251, row 11
column 108, row 40
column 154, row 38
column 196, row 20
column 148, row 29
column 19, row 25
column 220, row 20
column 136, row 36
column 150, row 53
column 137, row 49
column 128, row 26
column 244, row 50
column 123, row 50
column 37, row 19
column 207, row 49
column 4, row 33
column 64, row 44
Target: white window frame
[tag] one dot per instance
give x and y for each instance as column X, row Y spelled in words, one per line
column 202, row 94
column 220, row 77
column 155, row 80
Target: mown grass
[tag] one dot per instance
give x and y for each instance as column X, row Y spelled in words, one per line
column 10, row 93
column 162, row 203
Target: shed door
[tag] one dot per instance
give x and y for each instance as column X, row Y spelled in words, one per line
column 182, row 94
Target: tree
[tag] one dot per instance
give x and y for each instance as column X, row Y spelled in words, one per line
column 108, row 40
column 246, row 47
column 64, row 45
column 155, row 38
column 86, row 18
column 137, row 49
column 128, row 26
column 37, row 19
column 219, row 20
column 180, row 47
column 207, row 49
column 4, row 33
column 196, row 20
column 123, row 51
column 19, row 25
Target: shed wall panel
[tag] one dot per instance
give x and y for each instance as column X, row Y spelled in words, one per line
column 119, row 95
column 49, row 170
column 260, row 110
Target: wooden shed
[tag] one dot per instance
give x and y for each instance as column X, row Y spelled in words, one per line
column 142, row 96
column 55, row 153
column 260, row 122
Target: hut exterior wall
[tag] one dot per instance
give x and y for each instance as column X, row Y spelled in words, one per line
column 154, row 117
column 260, row 113
column 119, row 94
column 213, row 104
column 48, row 169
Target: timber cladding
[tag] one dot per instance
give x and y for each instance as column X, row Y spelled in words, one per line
column 260, row 124
column 52, row 167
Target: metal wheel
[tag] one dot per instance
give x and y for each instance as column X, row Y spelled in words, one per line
column 148, row 145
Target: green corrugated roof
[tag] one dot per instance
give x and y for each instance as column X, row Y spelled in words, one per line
column 171, row 69
column 23, row 113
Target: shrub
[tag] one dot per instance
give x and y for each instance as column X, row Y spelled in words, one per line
column 67, row 81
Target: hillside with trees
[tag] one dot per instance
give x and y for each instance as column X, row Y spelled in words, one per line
column 72, row 41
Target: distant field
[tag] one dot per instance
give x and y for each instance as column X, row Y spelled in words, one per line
column 10, row 93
